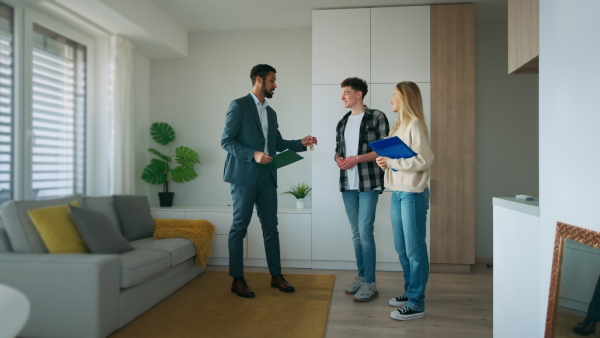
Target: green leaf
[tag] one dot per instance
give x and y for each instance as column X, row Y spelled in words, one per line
column 162, row 133
column 186, row 156
column 155, row 172
column 185, row 162
column 158, row 153
column 183, row 174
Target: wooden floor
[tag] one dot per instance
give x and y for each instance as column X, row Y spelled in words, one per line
column 457, row 305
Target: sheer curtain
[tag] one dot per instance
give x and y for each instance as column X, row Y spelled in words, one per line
column 122, row 174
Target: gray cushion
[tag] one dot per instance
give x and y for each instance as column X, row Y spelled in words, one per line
column 97, row 232
column 4, row 242
column 134, row 215
column 23, row 235
column 140, row 265
column 180, row 249
column 105, row 205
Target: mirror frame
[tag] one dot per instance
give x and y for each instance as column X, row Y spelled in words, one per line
column 564, row 231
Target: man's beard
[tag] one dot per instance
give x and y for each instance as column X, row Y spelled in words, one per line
column 268, row 94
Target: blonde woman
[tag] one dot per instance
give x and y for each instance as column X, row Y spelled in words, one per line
column 410, row 199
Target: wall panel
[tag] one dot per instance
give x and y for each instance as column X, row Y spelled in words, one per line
column 453, row 136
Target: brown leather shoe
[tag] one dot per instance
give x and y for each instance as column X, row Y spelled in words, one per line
column 283, row 285
column 242, row 289
column 585, row 328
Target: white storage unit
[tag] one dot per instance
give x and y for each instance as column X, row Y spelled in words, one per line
column 294, row 234
column 390, row 56
column 335, row 33
column 400, row 44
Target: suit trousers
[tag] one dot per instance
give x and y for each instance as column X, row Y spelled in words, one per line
column 594, row 307
column 263, row 194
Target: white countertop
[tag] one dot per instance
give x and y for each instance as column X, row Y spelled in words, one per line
column 528, row 207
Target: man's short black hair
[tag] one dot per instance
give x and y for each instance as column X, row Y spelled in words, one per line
column 261, row 70
column 357, row 84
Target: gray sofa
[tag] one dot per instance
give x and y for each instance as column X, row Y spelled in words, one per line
column 88, row 295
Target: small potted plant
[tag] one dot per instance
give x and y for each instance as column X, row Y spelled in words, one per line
column 159, row 170
column 300, row 191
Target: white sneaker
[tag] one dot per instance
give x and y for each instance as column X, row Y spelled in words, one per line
column 405, row 313
column 367, row 293
column 355, row 285
column 398, row 301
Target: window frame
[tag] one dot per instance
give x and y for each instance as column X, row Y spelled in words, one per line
column 24, row 19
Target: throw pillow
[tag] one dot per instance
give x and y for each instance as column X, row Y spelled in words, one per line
column 98, row 232
column 105, row 205
column 56, row 227
column 23, row 235
column 134, row 215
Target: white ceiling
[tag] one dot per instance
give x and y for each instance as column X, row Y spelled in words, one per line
column 216, row 15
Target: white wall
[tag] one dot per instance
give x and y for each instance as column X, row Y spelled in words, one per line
column 569, row 121
column 506, row 132
column 193, row 95
column 216, row 72
column 141, row 112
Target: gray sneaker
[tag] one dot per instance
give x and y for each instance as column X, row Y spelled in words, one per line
column 367, row 293
column 355, row 285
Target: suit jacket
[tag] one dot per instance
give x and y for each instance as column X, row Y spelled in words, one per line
column 243, row 135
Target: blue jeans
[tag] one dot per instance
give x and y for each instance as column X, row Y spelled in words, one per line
column 409, row 218
column 360, row 208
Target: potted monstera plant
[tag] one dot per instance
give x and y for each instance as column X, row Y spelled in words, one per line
column 160, row 170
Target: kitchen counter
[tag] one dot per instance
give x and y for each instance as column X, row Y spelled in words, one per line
column 528, row 207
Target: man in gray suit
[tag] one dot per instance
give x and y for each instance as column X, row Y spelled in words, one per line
column 251, row 137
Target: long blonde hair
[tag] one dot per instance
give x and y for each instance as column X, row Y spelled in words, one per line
column 412, row 107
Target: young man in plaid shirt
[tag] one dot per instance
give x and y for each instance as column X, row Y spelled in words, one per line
column 361, row 180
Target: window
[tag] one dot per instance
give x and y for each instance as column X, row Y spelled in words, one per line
column 58, row 115
column 44, row 100
column 6, row 102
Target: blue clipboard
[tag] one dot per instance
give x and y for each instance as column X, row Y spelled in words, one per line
column 392, row 147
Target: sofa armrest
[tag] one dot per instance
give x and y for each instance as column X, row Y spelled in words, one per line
column 71, row 295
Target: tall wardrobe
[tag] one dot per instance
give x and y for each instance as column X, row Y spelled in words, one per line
column 433, row 46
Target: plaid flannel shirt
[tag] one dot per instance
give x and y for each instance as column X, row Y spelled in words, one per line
column 374, row 127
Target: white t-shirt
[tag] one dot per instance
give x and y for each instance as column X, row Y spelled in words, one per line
column 351, row 134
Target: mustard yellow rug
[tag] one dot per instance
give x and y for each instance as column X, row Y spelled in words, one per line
column 206, row 307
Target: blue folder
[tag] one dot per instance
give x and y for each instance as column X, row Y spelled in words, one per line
column 392, row 147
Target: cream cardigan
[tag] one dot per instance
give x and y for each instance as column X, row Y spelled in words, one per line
column 413, row 173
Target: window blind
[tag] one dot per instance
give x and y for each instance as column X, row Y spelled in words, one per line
column 58, row 115
column 6, row 102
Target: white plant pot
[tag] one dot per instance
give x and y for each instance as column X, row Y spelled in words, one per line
column 300, row 203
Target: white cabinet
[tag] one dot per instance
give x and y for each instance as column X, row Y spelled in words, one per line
column 294, row 234
column 516, row 268
column 395, row 42
column 340, row 40
column 400, row 44
column 294, row 238
column 331, row 236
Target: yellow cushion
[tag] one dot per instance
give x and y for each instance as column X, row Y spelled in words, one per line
column 57, row 229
